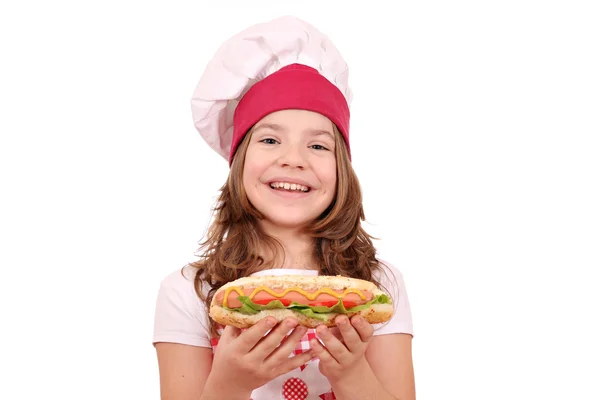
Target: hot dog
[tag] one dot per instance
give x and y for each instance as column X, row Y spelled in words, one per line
column 312, row 300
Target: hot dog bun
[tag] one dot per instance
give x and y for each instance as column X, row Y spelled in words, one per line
column 379, row 311
column 375, row 314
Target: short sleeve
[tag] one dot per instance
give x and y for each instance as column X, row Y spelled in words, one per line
column 180, row 315
column 392, row 281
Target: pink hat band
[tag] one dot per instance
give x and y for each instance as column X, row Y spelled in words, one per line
column 295, row 86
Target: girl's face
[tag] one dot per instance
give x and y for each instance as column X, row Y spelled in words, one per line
column 290, row 167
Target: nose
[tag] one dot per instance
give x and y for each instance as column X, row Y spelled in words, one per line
column 292, row 156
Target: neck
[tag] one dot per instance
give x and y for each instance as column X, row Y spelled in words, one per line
column 298, row 248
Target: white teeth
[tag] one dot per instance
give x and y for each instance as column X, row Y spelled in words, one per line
column 289, row 186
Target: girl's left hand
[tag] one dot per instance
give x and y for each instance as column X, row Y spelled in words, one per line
column 343, row 358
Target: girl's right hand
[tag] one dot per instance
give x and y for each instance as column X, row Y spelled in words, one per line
column 246, row 360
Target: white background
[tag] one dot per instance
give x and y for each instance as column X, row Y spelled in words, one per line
column 474, row 132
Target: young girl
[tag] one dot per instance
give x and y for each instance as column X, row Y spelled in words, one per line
column 274, row 102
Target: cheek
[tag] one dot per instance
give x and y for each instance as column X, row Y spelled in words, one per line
column 249, row 179
column 252, row 174
column 328, row 176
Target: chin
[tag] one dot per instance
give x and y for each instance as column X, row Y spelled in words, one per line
column 288, row 223
column 288, row 220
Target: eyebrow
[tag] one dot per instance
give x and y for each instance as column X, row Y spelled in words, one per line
column 279, row 128
column 320, row 132
column 274, row 127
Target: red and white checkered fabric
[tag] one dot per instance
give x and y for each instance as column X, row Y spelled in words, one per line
column 328, row 396
column 294, row 388
column 302, row 346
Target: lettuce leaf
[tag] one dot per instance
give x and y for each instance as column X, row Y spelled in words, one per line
column 248, row 307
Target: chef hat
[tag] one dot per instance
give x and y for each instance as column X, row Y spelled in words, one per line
column 282, row 64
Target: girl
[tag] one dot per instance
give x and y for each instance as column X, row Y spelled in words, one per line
column 274, row 102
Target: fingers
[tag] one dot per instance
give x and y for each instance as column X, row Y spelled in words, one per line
column 288, row 345
column 336, row 348
column 352, row 338
column 364, row 329
column 335, row 331
column 229, row 333
column 254, row 334
column 269, row 343
column 290, row 342
column 355, row 335
column 319, row 351
column 296, row 362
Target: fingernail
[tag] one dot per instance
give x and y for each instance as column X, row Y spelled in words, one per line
column 342, row 321
column 271, row 321
column 290, row 323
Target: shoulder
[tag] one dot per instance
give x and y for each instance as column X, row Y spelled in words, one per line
column 178, row 288
column 179, row 278
column 180, row 315
column 392, row 282
column 182, row 281
column 390, row 277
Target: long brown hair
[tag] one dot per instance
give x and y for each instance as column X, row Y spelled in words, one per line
column 342, row 246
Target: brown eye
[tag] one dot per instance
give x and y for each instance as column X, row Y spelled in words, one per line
column 269, row 141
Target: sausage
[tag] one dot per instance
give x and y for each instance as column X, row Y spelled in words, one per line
column 293, row 296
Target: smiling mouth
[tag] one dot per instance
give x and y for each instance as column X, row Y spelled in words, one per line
column 289, row 187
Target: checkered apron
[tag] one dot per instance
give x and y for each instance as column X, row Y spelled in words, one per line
column 293, row 388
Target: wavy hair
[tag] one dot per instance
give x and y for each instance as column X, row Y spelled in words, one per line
column 341, row 245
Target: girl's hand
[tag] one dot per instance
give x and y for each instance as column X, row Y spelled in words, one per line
column 246, row 360
column 343, row 358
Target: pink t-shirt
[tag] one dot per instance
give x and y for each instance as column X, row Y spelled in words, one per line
column 182, row 318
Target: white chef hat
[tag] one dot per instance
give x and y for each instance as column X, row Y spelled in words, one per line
column 281, row 64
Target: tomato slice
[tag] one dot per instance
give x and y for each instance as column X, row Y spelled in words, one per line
column 331, row 303
column 264, row 302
